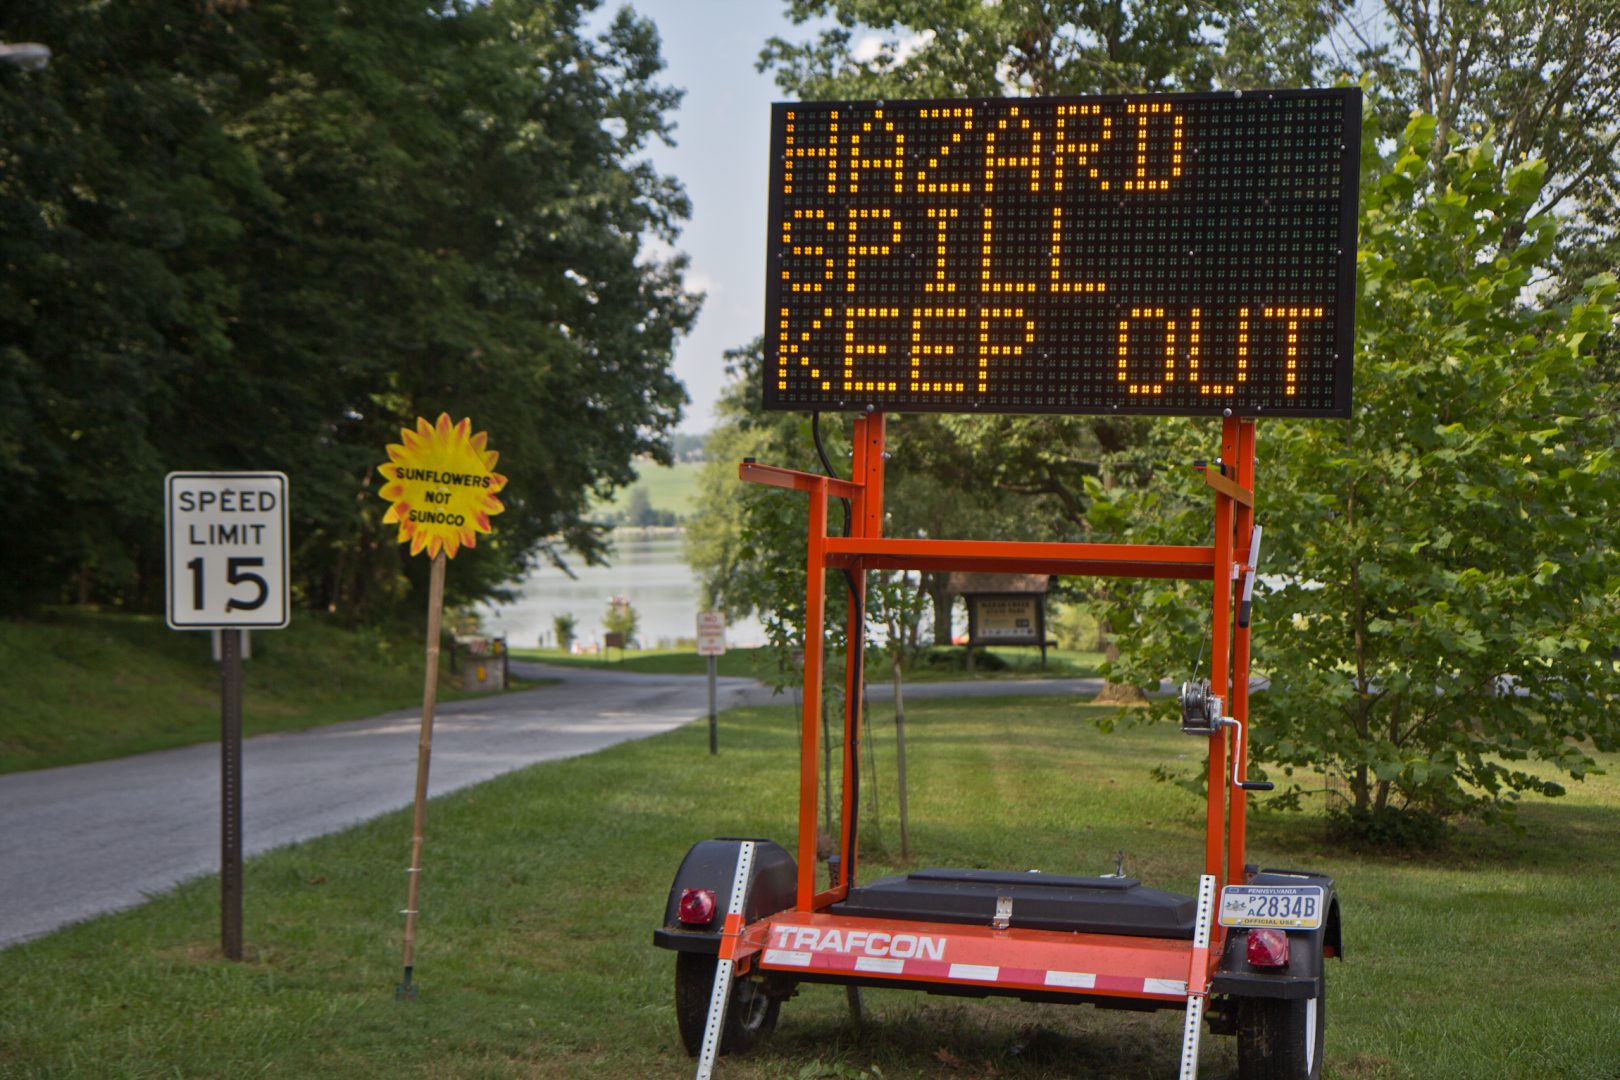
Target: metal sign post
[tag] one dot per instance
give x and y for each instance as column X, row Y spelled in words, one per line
column 227, row 571
column 230, row 793
column 714, row 718
column 711, row 643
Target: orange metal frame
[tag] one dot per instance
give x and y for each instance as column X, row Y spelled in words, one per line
column 1014, row 960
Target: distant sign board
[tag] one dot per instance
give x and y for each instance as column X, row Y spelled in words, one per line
column 1180, row 254
column 711, row 633
column 1006, row 618
column 227, row 550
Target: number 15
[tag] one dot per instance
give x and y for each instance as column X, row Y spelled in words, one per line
column 237, row 572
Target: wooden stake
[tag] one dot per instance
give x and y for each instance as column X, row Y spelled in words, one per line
column 424, row 751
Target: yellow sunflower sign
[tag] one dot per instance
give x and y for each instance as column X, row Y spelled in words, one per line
column 441, row 486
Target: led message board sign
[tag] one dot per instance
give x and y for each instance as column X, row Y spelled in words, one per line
column 1177, row 254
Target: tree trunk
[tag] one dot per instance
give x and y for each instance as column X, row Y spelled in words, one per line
column 1114, row 693
column 900, row 758
column 940, row 596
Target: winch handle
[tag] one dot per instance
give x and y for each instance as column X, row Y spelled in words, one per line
column 1245, row 604
column 1237, row 749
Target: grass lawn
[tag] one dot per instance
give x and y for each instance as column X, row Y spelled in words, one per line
column 542, row 888
column 757, row 663
column 85, row 686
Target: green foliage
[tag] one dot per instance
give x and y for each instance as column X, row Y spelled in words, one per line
column 1544, row 80
column 1448, row 593
column 640, row 513
column 268, row 235
column 1073, row 627
column 897, row 603
column 90, row 686
column 1041, row 47
column 746, row 542
column 1390, row 830
column 622, row 618
column 566, row 627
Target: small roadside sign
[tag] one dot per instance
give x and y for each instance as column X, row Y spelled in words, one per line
column 711, row 643
column 711, row 633
column 441, row 486
column 227, row 572
column 227, row 550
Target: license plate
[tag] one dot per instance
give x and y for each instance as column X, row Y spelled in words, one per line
column 1286, row 907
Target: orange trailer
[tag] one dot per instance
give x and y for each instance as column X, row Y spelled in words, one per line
column 1105, row 941
column 1182, row 254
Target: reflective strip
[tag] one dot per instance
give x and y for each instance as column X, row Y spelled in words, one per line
column 1080, row 980
column 787, row 958
column 1310, row 1035
column 1171, row 987
column 975, row 972
column 879, row 963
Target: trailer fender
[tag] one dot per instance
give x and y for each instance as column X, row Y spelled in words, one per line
column 711, row 864
column 1302, row 978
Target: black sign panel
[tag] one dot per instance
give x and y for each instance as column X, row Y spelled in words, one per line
column 1177, row 254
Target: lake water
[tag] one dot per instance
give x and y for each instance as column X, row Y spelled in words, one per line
column 647, row 569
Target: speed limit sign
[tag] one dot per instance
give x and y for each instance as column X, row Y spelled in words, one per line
column 227, row 550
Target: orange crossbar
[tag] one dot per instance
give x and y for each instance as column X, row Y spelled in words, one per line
column 792, row 479
column 1107, row 560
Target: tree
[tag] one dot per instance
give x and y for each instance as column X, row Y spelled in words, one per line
column 968, row 48
column 639, row 510
column 745, row 542
column 897, row 603
column 566, row 627
column 622, row 619
column 1448, row 603
column 268, row 235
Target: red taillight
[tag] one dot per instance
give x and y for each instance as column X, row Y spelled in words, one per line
column 1268, row 949
column 696, row 907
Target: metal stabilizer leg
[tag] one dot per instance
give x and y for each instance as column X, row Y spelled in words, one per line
column 726, row 966
column 1197, row 992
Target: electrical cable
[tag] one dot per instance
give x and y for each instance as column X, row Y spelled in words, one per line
column 855, row 655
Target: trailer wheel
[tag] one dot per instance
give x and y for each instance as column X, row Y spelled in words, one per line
column 1279, row 1039
column 750, row 1014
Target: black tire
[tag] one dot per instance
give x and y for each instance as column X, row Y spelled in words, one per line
column 1280, row 1040
column 750, row 1014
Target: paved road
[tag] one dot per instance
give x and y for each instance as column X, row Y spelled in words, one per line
column 88, row 839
